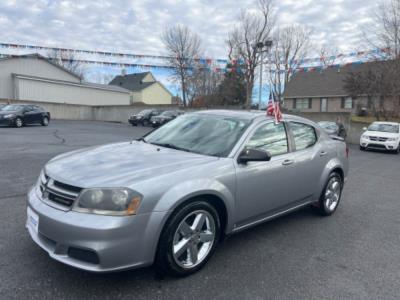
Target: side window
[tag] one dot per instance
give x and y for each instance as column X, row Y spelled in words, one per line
column 270, row 137
column 303, row 134
column 27, row 108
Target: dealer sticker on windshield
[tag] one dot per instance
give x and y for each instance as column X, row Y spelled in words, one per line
column 32, row 220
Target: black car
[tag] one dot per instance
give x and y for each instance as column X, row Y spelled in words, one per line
column 144, row 117
column 165, row 117
column 19, row 115
column 333, row 128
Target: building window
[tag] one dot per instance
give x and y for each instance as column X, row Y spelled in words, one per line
column 347, row 102
column 304, row 103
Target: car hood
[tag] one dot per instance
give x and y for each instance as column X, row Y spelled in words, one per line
column 120, row 165
column 2, row 112
column 382, row 134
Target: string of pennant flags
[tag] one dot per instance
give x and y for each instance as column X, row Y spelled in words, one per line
column 206, row 63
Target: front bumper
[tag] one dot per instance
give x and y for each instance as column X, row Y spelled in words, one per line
column 7, row 122
column 103, row 243
column 378, row 145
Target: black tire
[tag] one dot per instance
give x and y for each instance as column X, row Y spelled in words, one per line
column 397, row 151
column 362, row 148
column 165, row 261
column 321, row 206
column 45, row 121
column 18, row 123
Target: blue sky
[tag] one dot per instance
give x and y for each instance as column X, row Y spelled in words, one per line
column 136, row 26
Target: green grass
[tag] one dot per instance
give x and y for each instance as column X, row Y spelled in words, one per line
column 370, row 119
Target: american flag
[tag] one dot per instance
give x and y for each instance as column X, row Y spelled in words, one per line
column 273, row 109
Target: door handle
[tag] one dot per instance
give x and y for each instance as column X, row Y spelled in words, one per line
column 323, row 153
column 287, row 162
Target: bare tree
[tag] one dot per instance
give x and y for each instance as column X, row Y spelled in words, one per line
column 384, row 29
column 203, row 83
column 253, row 28
column 68, row 60
column 290, row 46
column 328, row 55
column 377, row 84
column 183, row 46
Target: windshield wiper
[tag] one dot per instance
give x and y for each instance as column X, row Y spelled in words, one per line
column 171, row 146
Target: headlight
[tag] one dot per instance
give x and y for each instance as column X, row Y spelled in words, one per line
column 9, row 116
column 365, row 136
column 391, row 139
column 115, row 201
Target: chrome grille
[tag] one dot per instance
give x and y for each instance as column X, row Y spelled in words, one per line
column 58, row 192
column 378, row 139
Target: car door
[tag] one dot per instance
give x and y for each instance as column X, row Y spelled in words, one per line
column 311, row 156
column 263, row 188
column 37, row 114
column 28, row 115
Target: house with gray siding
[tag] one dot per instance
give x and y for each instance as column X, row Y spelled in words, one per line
column 35, row 78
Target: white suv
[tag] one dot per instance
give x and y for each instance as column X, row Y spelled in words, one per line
column 381, row 136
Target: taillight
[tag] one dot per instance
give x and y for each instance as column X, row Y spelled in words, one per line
column 347, row 151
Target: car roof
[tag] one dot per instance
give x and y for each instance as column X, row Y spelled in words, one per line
column 250, row 115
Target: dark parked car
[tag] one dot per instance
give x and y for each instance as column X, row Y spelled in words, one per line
column 333, row 128
column 165, row 117
column 144, row 117
column 19, row 115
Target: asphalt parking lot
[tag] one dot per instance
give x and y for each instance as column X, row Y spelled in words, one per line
column 353, row 254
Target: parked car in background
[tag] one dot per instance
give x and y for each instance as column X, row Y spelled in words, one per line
column 19, row 115
column 2, row 105
column 381, row 136
column 165, row 117
column 168, row 197
column 333, row 128
column 144, row 117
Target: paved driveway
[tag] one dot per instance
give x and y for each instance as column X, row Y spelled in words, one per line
column 353, row 254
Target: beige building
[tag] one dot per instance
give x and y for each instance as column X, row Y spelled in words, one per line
column 143, row 88
column 35, row 78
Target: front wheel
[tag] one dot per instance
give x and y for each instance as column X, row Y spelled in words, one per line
column 330, row 196
column 18, row 122
column 45, row 121
column 189, row 239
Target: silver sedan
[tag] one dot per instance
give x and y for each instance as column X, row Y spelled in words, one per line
column 169, row 197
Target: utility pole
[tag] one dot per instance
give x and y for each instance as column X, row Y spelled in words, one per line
column 261, row 45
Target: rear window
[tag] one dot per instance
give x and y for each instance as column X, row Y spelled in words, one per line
column 304, row 135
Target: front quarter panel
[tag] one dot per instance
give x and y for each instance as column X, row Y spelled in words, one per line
column 194, row 188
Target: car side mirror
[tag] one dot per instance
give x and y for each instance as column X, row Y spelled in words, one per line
column 365, row 128
column 253, row 155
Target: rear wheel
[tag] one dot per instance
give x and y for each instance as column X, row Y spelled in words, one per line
column 330, row 196
column 189, row 239
column 45, row 121
column 18, row 122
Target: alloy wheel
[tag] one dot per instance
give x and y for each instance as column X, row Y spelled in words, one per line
column 18, row 122
column 332, row 193
column 193, row 239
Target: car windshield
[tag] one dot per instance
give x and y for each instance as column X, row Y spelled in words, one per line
column 384, row 127
column 168, row 114
column 328, row 125
column 12, row 108
column 200, row 133
column 145, row 112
